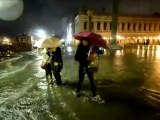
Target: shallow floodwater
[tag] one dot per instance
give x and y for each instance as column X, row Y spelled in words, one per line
column 128, row 87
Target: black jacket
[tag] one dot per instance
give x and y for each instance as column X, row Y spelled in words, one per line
column 82, row 55
column 57, row 56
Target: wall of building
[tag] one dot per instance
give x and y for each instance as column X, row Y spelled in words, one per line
column 24, row 42
column 131, row 29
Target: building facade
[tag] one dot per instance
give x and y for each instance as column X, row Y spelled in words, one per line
column 131, row 29
column 24, row 42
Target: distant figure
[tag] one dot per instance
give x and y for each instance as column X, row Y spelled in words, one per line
column 57, row 65
column 147, row 42
column 82, row 57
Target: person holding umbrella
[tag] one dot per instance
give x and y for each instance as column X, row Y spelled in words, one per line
column 54, row 60
column 46, row 65
column 85, row 56
column 57, row 64
column 82, row 57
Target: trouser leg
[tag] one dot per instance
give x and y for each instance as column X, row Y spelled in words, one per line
column 81, row 78
column 90, row 75
column 49, row 74
column 57, row 77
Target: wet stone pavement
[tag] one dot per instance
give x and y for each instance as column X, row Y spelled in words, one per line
column 128, row 87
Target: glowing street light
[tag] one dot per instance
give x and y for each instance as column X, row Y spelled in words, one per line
column 69, row 49
column 41, row 34
column 62, row 40
column 119, row 37
column 105, row 38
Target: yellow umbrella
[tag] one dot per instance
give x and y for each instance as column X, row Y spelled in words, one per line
column 51, row 42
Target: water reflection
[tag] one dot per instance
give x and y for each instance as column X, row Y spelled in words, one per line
column 151, row 52
column 137, row 68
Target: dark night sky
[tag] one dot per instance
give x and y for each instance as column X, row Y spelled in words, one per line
column 51, row 14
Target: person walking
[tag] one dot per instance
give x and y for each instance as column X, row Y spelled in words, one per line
column 46, row 65
column 57, row 65
column 82, row 57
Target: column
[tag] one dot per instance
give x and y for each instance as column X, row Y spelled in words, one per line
column 147, row 27
column 90, row 13
column 142, row 27
column 95, row 26
column 131, row 27
column 152, row 27
column 137, row 27
column 125, row 27
column 120, row 27
column 157, row 27
column 114, row 20
column 88, row 25
column 81, row 26
column 101, row 25
column 108, row 26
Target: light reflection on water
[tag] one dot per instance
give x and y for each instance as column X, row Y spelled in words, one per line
column 150, row 56
column 141, row 64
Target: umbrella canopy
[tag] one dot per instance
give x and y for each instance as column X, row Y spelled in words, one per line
column 94, row 39
column 51, row 42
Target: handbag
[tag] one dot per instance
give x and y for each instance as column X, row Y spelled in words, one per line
column 93, row 62
column 44, row 65
column 94, row 65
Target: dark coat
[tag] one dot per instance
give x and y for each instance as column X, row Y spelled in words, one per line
column 57, row 57
column 82, row 54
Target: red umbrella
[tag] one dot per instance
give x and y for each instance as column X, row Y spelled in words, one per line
column 94, row 39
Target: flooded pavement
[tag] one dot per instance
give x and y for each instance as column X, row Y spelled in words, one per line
column 128, row 86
